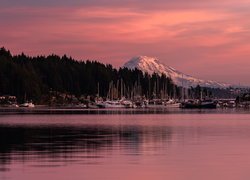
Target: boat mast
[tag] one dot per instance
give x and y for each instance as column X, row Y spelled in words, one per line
column 98, row 90
column 182, row 89
column 121, row 89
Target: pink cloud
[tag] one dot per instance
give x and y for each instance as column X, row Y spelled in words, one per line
column 187, row 39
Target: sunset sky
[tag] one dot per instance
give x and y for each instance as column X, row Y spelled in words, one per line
column 207, row 39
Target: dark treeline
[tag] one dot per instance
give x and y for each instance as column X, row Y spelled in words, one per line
column 35, row 77
column 198, row 91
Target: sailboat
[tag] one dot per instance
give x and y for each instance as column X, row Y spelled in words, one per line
column 27, row 104
column 201, row 103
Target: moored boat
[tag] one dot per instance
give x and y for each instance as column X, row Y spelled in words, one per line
column 27, row 105
column 112, row 104
column 199, row 104
column 156, row 103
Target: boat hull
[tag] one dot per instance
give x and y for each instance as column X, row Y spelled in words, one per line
column 198, row 106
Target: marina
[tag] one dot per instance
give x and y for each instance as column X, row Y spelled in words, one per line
column 220, row 106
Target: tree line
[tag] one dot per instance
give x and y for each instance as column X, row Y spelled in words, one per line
column 32, row 78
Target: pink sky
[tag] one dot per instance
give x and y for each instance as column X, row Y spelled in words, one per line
column 209, row 40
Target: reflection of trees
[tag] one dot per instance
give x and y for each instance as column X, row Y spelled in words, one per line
column 132, row 137
column 52, row 141
column 61, row 142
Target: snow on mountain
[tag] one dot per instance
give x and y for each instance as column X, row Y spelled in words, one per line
column 153, row 65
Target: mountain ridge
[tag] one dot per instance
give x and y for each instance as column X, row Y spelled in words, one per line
column 152, row 65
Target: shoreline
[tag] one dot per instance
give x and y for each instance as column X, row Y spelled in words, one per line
column 43, row 109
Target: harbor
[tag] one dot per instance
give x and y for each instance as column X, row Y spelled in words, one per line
column 128, row 107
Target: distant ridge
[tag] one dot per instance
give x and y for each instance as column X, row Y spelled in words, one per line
column 153, row 65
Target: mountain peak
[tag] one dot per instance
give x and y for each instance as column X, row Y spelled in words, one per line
column 142, row 60
column 152, row 65
column 146, row 64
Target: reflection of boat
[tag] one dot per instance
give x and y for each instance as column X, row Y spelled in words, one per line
column 27, row 105
column 199, row 104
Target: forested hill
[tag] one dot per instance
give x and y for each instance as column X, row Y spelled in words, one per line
column 34, row 77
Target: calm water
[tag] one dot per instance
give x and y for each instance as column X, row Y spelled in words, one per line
column 176, row 146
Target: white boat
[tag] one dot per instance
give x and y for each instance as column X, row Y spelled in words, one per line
column 230, row 104
column 112, row 104
column 127, row 103
column 171, row 103
column 27, row 105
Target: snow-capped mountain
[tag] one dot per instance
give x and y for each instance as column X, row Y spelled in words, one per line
column 153, row 65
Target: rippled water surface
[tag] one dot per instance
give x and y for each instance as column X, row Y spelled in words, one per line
column 176, row 146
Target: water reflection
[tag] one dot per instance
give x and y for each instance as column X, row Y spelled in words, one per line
column 136, row 146
column 50, row 143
